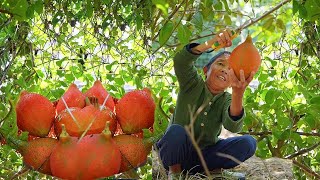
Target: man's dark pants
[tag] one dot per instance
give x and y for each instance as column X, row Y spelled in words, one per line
column 175, row 147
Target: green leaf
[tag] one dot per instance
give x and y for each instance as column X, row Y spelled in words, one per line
column 305, row 92
column 313, row 9
column 315, row 100
column 119, row 81
column 284, row 122
column 165, row 33
column 271, row 96
column 295, row 6
column 184, row 34
column 276, row 133
column 20, row 9
column 106, row 2
column 38, row 6
column 162, row 5
column 263, row 77
column 139, row 22
column 198, row 20
column 69, row 77
column 285, row 134
column 160, row 122
column 280, row 24
column 218, row 5
column 89, row 8
column 30, row 12
column 310, row 120
column 268, row 22
column 297, row 138
column 227, row 19
column 226, row 6
column 303, row 13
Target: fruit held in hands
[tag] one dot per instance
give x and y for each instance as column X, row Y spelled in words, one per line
column 35, row 114
column 245, row 56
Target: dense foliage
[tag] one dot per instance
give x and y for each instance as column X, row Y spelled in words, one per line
column 46, row 45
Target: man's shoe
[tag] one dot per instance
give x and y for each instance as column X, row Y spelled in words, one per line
column 233, row 175
column 228, row 175
column 176, row 176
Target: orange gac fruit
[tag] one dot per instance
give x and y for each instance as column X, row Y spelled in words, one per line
column 246, row 57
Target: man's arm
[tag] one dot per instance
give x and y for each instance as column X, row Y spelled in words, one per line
column 222, row 37
column 238, row 88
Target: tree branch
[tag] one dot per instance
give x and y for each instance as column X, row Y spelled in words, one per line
column 266, row 14
column 306, row 169
column 6, row 12
column 155, row 22
column 7, row 115
column 175, row 27
column 303, row 151
column 251, row 22
column 21, row 172
column 270, row 133
column 199, row 152
column 169, row 18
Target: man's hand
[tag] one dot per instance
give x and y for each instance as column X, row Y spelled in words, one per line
column 239, row 86
column 223, row 37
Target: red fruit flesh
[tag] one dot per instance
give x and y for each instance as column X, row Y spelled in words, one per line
column 133, row 150
column 98, row 91
column 73, row 98
column 35, row 114
column 135, row 111
column 85, row 117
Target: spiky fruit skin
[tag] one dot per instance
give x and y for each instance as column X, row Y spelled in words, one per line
column 35, row 114
column 98, row 91
column 64, row 160
column 135, row 111
column 85, row 116
column 36, row 154
column 134, row 151
column 100, row 156
column 245, row 56
column 73, row 97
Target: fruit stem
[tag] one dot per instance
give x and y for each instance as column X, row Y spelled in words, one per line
column 88, row 103
column 64, row 136
column 248, row 39
column 106, row 132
